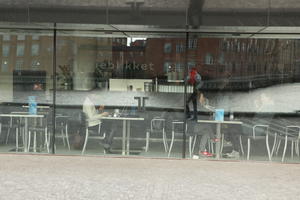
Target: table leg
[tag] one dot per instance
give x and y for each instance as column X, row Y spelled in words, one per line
column 124, row 138
column 128, row 137
column 26, row 148
column 218, row 144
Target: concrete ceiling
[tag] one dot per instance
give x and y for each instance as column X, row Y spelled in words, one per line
column 172, row 13
column 155, row 4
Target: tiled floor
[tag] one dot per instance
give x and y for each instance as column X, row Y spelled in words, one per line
column 98, row 177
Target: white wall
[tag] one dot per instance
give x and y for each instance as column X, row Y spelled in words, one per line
column 123, row 84
column 6, row 87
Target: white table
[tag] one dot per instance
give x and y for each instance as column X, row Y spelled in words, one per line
column 218, row 131
column 126, row 131
column 26, row 116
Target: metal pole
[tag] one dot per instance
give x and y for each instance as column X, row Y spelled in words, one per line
column 185, row 95
column 54, row 89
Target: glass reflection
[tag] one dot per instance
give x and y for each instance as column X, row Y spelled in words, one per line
column 139, row 83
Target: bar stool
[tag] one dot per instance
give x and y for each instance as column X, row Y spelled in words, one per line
column 90, row 134
column 192, row 138
column 17, row 126
column 40, row 128
column 62, row 126
column 157, row 126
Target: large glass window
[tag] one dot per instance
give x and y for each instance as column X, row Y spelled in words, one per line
column 126, row 84
column 122, row 93
column 26, row 95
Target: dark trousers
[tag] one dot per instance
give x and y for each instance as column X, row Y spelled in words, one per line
column 192, row 98
column 232, row 133
column 235, row 141
column 109, row 130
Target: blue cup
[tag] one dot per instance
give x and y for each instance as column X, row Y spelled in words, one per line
column 32, row 105
column 219, row 115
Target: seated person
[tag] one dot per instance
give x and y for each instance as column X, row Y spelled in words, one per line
column 94, row 117
column 207, row 132
column 232, row 133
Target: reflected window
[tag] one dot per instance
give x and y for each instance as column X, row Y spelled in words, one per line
column 167, row 67
column 4, row 66
column 222, row 59
column 233, row 67
column 242, row 47
column 35, row 49
column 21, row 37
column 179, row 67
column 35, row 65
column 191, row 64
column 179, row 48
column 5, row 50
column 228, row 45
column 238, row 47
column 20, row 49
column 6, row 37
column 35, row 37
column 19, row 65
column 168, row 48
column 192, row 43
column 209, row 60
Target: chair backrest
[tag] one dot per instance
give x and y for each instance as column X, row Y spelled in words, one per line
column 157, row 124
column 178, row 126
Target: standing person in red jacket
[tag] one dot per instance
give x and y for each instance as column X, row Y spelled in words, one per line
column 193, row 79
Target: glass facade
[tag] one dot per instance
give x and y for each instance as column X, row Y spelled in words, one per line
column 127, row 87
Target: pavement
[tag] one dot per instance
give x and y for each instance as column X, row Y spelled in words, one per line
column 97, row 177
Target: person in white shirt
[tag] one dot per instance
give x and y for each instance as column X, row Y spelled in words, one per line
column 94, row 118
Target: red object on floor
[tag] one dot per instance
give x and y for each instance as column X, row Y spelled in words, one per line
column 205, row 153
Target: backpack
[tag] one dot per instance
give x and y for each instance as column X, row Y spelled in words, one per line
column 194, row 79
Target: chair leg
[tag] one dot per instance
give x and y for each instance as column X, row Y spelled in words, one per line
column 67, row 136
column 209, row 145
column 46, row 140
column 29, row 140
column 22, row 134
column 194, row 143
column 63, row 136
column 248, row 153
column 17, row 139
column 85, row 141
column 297, row 148
column 190, row 145
column 268, row 147
column 284, row 149
column 0, row 129
column 274, row 145
column 7, row 136
column 147, row 141
column 171, row 145
column 292, row 149
column 34, row 141
column 278, row 146
column 241, row 145
column 165, row 141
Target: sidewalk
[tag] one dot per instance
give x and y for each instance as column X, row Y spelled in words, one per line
column 77, row 177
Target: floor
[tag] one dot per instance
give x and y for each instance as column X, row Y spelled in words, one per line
column 98, row 177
